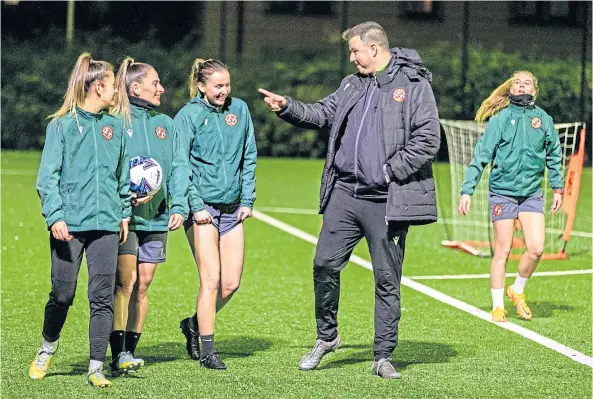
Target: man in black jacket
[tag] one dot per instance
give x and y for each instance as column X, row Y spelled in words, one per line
column 377, row 179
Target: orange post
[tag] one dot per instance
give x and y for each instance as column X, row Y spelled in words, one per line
column 572, row 186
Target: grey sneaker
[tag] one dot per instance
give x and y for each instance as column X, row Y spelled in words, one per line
column 384, row 369
column 125, row 363
column 321, row 348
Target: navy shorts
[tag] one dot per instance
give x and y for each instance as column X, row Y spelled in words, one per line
column 148, row 246
column 505, row 207
column 224, row 217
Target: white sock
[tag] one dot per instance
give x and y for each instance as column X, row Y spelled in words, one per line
column 519, row 284
column 497, row 298
column 51, row 347
column 95, row 365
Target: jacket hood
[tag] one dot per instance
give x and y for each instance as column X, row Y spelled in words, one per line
column 410, row 61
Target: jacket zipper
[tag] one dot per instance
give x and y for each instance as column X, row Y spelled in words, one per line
column 223, row 152
column 358, row 134
column 149, row 204
column 523, row 152
column 96, row 173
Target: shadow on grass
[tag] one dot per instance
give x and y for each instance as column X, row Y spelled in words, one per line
column 538, row 309
column 406, row 354
column 239, row 347
column 547, row 309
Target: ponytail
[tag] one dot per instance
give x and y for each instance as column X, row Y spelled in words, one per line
column 200, row 72
column 85, row 73
column 128, row 73
column 122, row 102
column 499, row 98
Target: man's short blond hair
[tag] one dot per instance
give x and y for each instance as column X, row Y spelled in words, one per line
column 369, row 32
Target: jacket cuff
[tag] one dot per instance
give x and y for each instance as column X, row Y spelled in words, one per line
column 388, row 174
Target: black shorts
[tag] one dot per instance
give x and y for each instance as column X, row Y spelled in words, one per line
column 148, row 246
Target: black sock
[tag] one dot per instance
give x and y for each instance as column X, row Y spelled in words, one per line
column 207, row 344
column 193, row 322
column 117, row 342
column 132, row 339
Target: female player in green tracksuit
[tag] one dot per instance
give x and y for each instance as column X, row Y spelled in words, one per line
column 219, row 138
column 152, row 134
column 521, row 141
column 84, row 186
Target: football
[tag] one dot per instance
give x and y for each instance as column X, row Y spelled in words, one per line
column 146, row 176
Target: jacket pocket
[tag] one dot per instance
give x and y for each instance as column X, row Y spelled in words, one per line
column 71, row 205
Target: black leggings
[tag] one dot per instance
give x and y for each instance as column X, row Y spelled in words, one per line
column 66, row 256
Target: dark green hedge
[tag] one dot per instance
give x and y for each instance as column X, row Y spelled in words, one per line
column 34, row 77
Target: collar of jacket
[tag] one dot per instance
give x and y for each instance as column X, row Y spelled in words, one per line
column 88, row 115
column 207, row 106
column 141, row 103
column 521, row 109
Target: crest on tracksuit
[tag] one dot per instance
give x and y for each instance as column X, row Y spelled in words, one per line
column 107, row 132
column 536, row 123
column 231, row 119
column 399, row 95
column 161, row 132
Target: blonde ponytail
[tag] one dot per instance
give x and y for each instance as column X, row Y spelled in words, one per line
column 200, row 72
column 85, row 72
column 122, row 102
column 499, row 98
column 128, row 73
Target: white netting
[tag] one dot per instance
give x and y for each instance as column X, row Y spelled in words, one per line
column 475, row 228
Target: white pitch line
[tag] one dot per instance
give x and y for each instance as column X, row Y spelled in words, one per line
column 17, row 172
column 472, row 276
column 439, row 296
column 304, row 211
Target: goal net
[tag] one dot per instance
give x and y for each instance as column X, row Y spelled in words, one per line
column 473, row 233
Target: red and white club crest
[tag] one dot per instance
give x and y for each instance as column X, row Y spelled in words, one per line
column 536, row 123
column 231, row 119
column 497, row 210
column 161, row 133
column 107, row 132
column 399, row 95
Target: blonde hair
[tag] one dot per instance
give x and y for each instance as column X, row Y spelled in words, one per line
column 200, row 72
column 85, row 73
column 499, row 98
column 369, row 32
column 128, row 73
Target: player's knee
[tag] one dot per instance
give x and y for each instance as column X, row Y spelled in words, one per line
column 535, row 251
column 229, row 289
column 209, row 284
column 62, row 299
column 62, row 293
column 101, row 292
column 502, row 252
column 327, row 264
column 124, row 288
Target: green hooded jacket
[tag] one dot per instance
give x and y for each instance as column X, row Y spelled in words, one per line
column 222, row 152
column 520, row 142
column 84, row 175
column 153, row 134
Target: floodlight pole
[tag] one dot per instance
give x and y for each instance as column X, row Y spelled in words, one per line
column 465, row 59
column 343, row 47
column 70, row 23
column 585, row 25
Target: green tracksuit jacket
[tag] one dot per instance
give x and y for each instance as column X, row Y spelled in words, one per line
column 84, row 175
column 520, row 142
column 222, row 152
column 153, row 134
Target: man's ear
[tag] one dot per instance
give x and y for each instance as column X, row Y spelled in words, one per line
column 374, row 50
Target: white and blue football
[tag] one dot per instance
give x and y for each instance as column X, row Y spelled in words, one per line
column 146, row 176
